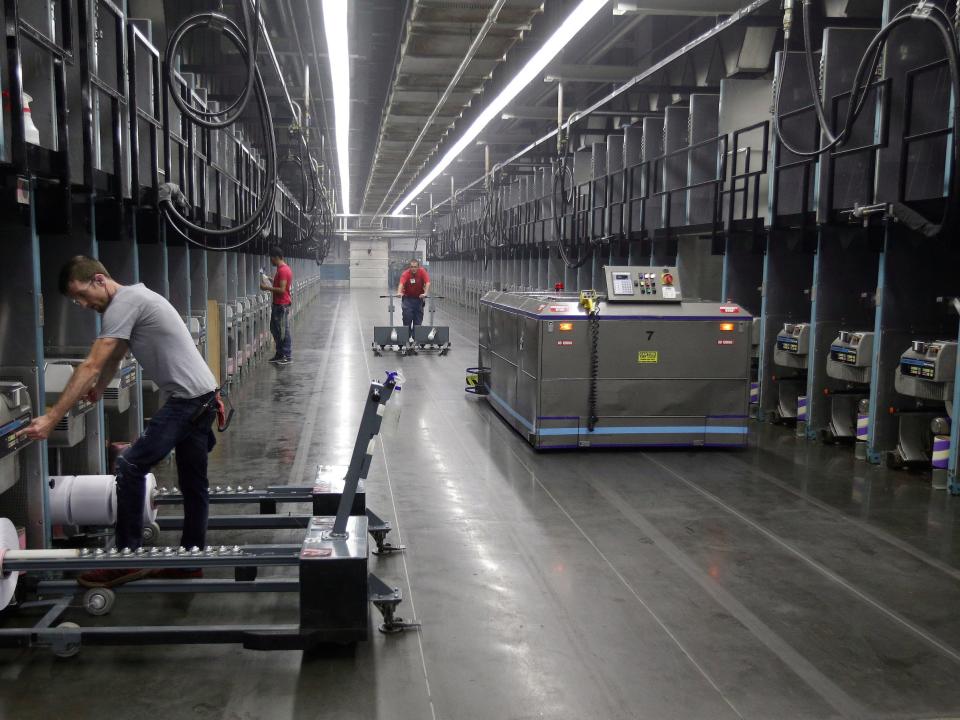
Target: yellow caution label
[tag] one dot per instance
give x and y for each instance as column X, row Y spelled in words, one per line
column 473, row 380
column 648, row 356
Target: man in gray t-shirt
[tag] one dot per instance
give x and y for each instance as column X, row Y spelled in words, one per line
column 143, row 322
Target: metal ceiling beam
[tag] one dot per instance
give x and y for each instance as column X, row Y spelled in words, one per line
column 523, row 112
column 590, row 73
column 467, row 58
column 645, row 76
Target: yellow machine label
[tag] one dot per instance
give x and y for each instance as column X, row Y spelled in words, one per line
column 648, row 356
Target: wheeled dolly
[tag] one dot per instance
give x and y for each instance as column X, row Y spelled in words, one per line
column 430, row 337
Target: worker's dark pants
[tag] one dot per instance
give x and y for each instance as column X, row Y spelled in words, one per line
column 412, row 308
column 280, row 329
column 172, row 427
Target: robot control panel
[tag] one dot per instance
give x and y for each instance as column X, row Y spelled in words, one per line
column 638, row 283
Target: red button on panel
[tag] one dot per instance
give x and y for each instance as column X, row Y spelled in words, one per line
column 667, row 279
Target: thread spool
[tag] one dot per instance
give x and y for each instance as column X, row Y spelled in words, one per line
column 91, row 500
column 939, row 461
column 9, row 540
column 754, row 393
column 863, row 434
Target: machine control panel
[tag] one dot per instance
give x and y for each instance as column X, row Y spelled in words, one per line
column 10, row 442
column 794, row 338
column 15, row 414
column 852, row 348
column 127, row 374
column 934, row 361
column 640, row 283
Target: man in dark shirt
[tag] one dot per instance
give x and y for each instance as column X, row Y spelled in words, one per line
column 414, row 286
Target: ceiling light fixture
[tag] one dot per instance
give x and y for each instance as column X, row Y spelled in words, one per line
column 568, row 29
column 335, row 28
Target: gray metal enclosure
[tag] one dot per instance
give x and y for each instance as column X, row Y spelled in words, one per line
column 667, row 375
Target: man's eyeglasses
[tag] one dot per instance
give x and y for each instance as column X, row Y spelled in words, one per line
column 77, row 302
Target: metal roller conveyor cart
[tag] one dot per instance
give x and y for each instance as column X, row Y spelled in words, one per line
column 332, row 580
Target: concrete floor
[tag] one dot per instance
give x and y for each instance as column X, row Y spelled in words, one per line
column 785, row 581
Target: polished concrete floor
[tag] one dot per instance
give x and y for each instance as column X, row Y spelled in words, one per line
column 785, row 581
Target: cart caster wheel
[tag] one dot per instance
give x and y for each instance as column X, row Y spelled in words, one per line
column 151, row 533
column 99, row 601
column 70, row 648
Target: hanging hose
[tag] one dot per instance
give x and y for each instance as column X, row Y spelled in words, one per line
column 217, row 119
column 866, row 69
column 564, row 197
column 594, row 320
column 588, row 301
column 170, row 196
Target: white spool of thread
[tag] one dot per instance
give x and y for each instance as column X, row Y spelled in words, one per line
column 92, row 500
column 60, row 499
column 9, row 540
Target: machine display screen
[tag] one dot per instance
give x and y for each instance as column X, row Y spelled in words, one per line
column 843, row 356
column 788, row 344
column 921, row 370
column 622, row 284
column 9, row 441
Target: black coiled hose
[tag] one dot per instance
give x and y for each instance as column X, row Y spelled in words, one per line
column 260, row 219
column 594, row 319
column 217, row 119
column 564, row 197
column 860, row 87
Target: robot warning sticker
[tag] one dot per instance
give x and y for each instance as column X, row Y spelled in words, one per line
column 648, row 356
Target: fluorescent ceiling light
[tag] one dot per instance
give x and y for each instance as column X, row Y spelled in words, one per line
column 575, row 22
column 335, row 28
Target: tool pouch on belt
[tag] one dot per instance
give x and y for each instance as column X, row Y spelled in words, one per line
column 214, row 405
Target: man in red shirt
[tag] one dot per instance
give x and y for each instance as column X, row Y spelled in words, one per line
column 414, row 285
column 280, row 313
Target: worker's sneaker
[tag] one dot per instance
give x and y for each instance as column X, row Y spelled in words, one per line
column 284, row 361
column 177, row 574
column 108, row 578
column 275, row 359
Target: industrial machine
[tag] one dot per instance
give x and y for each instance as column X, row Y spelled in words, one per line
column 640, row 367
column 116, row 397
column 197, row 325
column 927, row 372
column 791, row 350
column 228, row 342
column 15, row 414
column 71, row 430
column 850, row 361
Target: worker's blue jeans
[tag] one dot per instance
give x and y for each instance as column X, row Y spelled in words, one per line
column 173, row 426
column 412, row 309
column 280, row 329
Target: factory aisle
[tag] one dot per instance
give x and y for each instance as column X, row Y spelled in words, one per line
column 785, row 581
